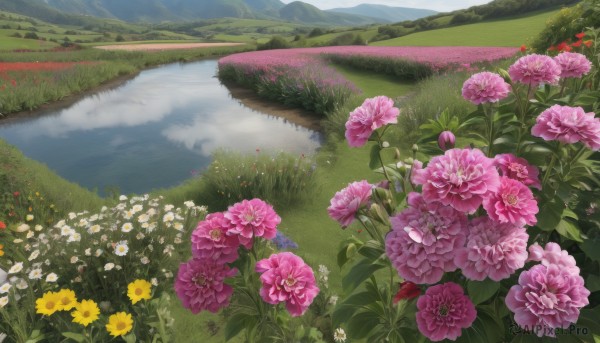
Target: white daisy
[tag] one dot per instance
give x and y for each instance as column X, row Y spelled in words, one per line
column 151, row 212
column 3, row 301
column 93, row 217
column 128, row 214
column 17, row 267
column 35, row 274
column 75, row 237
column 17, row 241
column 22, row 284
column 145, row 260
column 94, row 229
column 120, row 207
column 29, row 217
column 168, row 208
column 103, row 209
column 122, row 198
column 339, row 335
column 143, row 218
column 52, row 277
column 127, row 227
column 38, row 227
column 66, row 230
column 154, row 281
column 34, row 255
column 137, row 208
column 74, row 259
column 60, row 224
column 189, row 204
column 109, row 266
column 88, row 252
column 22, row 228
column 333, row 300
column 98, row 252
column 82, row 222
column 178, row 226
column 121, row 248
column 30, row 234
column 72, row 215
column 168, row 217
column 140, row 236
column 5, row 287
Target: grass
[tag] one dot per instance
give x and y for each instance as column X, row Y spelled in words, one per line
column 375, row 84
column 512, row 32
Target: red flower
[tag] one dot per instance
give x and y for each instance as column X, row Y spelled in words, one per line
column 2, row 225
column 16, row 194
column 580, row 35
column 523, row 48
column 552, row 48
column 577, row 44
column 588, row 43
column 563, row 47
column 408, row 290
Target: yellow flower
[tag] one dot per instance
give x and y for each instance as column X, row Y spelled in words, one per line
column 85, row 312
column 139, row 290
column 47, row 304
column 1, row 251
column 119, row 324
column 67, row 298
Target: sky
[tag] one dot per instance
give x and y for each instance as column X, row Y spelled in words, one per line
column 436, row 5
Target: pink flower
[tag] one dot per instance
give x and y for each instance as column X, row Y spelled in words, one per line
column 573, row 64
column 493, row 250
column 460, row 178
column 371, row 115
column 534, row 70
column 424, row 240
column 446, row 140
column 512, row 203
column 553, row 254
column 200, row 285
column 443, row 311
column 568, row 125
column 346, row 203
column 519, row 169
column 286, row 278
column 252, row 218
column 547, row 297
column 485, row 87
column 211, row 242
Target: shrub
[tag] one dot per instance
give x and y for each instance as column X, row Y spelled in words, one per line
column 31, row 35
column 277, row 42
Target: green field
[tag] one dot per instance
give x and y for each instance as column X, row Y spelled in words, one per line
column 513, row 32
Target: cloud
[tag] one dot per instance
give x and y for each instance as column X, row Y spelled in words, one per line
column 436, row 5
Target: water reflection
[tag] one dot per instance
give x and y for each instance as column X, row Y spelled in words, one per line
column 153, row 131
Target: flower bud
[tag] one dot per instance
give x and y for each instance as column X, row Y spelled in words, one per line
column 446, row 140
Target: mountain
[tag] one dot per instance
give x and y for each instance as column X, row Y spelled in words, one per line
column 182, row 10
column 387, row 13
column 299, row 11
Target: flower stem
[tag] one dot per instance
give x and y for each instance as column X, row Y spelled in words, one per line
column 380, row 143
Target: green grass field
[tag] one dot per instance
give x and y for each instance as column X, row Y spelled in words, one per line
column 513, row 32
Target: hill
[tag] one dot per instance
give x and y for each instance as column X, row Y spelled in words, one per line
column 387, row 13
column 299, row 11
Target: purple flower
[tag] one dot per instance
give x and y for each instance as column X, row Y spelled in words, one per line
column 211, row 242
column 518, row 168
column 371, row 115
column 252, row 218
column 568, row 125
column 424, row 240
column 286, row 278
column 346, row 203
column 553, row 254
column 200, row 285
column 534, row 70
column 283, row 242
column 446, row 140
column 547, row 297
column 512, row 203
column 443, row 311
column 493, row 250
column 485, row 87
column 461, row 178
column 573, row 64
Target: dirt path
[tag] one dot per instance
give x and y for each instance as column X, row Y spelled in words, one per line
column 163, row 46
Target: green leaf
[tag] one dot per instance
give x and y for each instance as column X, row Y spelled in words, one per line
column 480, row 291
column 590, row 248
column 362, row 324
column 236, row 323
column 569, row 230
column 359, row 272
column 372, row 250
column 74, row 336
column 375, row 161
column 550, row 214
column 129, row 338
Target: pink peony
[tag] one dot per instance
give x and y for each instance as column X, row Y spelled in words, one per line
column 211, row 242
column 200, row 285
column 493, row 250
column 546, row 298
column 371, row 115
column 285, row 277
column 512, row 203
column 568, row 125
column 553, row 254
column 461, row 178
column 252, row 218
column 443, row 311
column 446, row 140
column 573, row 64
column 424, row 240
column 485, row 87
column 346, row 203
column 519, row 169
column 534, row 70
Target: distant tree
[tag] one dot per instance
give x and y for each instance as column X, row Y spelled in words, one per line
column 71, row 32
column 17, row 35
column 119, row 38
column 317, row 31
column 277, row 42
column 31, row 35
column 51, row 31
